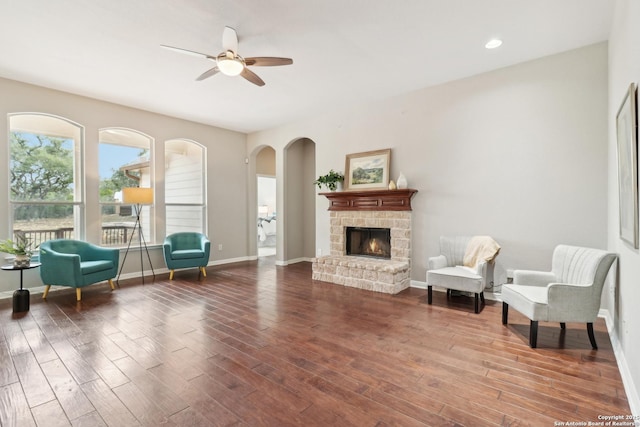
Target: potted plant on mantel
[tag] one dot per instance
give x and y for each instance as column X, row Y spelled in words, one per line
column 22, row 248
column 330, row 180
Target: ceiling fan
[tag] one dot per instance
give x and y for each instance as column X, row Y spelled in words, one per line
column 229, row 62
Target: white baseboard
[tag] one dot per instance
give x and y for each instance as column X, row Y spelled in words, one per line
column 293, row 261
column 418, row 284
column 423, row 285
column 627, row 380
column 232, row 260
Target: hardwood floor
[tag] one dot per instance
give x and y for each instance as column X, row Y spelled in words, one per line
column 257, row 345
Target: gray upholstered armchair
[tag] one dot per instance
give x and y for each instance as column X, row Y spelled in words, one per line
column 570, row 292
column 465, row 264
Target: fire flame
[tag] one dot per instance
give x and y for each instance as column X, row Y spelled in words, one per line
column 374, row 247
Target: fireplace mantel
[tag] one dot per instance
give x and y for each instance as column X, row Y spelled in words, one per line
column 370, row 200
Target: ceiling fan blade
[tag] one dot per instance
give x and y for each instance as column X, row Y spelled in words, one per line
column 208, row 73
column 268, row 61
column 230, row 40
column 188, row 52
column 252, row 77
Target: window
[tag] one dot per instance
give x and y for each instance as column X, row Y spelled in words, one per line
column 46, row 184
column 125, row 161
column 185, row 178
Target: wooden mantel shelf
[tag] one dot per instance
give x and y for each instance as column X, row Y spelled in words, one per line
column 371, row 200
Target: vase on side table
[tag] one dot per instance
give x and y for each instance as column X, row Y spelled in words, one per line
column 21, row 261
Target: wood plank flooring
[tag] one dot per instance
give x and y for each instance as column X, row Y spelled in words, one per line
column 253, row 344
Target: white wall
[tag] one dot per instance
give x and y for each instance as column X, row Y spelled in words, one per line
column 298, row 223
column 227, row 213
column 309, row 196
column 518, row 153
column 624, row 68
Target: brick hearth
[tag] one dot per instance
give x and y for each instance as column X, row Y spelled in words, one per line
column 388, row 276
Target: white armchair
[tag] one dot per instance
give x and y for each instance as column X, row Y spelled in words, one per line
column 570, row 292
column 465, row 264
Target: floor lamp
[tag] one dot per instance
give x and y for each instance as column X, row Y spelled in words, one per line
column 137, row 196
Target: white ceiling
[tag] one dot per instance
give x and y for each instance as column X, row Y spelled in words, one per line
column 345, row 52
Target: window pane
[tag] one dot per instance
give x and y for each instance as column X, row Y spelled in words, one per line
column 117, row 224
column 40, row 223
column 184, row 173
column 185, row 177
column 125, row 161
column 119, row 168
column 184, row 218
column 45, row 186
column 42, row 168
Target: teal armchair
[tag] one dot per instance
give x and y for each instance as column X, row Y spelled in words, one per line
column 76, row 264
column 186, row 250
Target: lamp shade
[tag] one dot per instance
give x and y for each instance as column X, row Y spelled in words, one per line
column 137, row 195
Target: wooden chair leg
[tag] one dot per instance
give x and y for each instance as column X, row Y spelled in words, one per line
column 111, row 284
column 533, row 334
column 46, row 291
column 171, row 274
column 78, row 294
column 430, row 294
column 563, row 325
column 505, row 312
column 476, row 303
column 592, row 337
column 482, row 297
column 204, row 271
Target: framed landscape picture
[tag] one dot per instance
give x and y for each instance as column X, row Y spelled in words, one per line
column 626, row 130
column 368, row 170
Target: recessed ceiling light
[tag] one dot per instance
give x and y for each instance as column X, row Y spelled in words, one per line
column 494, row 43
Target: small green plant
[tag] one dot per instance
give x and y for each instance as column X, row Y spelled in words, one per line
column 329, row 180
column 22, row 246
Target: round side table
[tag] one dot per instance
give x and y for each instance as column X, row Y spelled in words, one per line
column 20, row 296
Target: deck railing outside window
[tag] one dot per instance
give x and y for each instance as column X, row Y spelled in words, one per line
column 112, row 235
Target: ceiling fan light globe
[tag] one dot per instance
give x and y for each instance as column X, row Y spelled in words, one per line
column 230, row 66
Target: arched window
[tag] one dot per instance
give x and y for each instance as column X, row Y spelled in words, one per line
column 185, row 186
column 46, row 178
column 126, row 160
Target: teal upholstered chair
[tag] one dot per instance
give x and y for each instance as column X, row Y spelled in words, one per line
column 186, row 250
column 76, row 264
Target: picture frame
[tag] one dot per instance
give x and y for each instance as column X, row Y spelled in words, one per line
column 627, row 144
column 368, row 170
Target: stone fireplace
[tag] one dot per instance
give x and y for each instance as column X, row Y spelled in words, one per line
column 385, row 266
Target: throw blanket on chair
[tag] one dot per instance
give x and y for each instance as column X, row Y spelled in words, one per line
column 480, row 248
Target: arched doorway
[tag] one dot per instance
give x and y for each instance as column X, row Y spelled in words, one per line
column 293, row 166
column 266, row 202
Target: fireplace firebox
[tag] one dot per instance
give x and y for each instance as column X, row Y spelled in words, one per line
column 368, row 242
